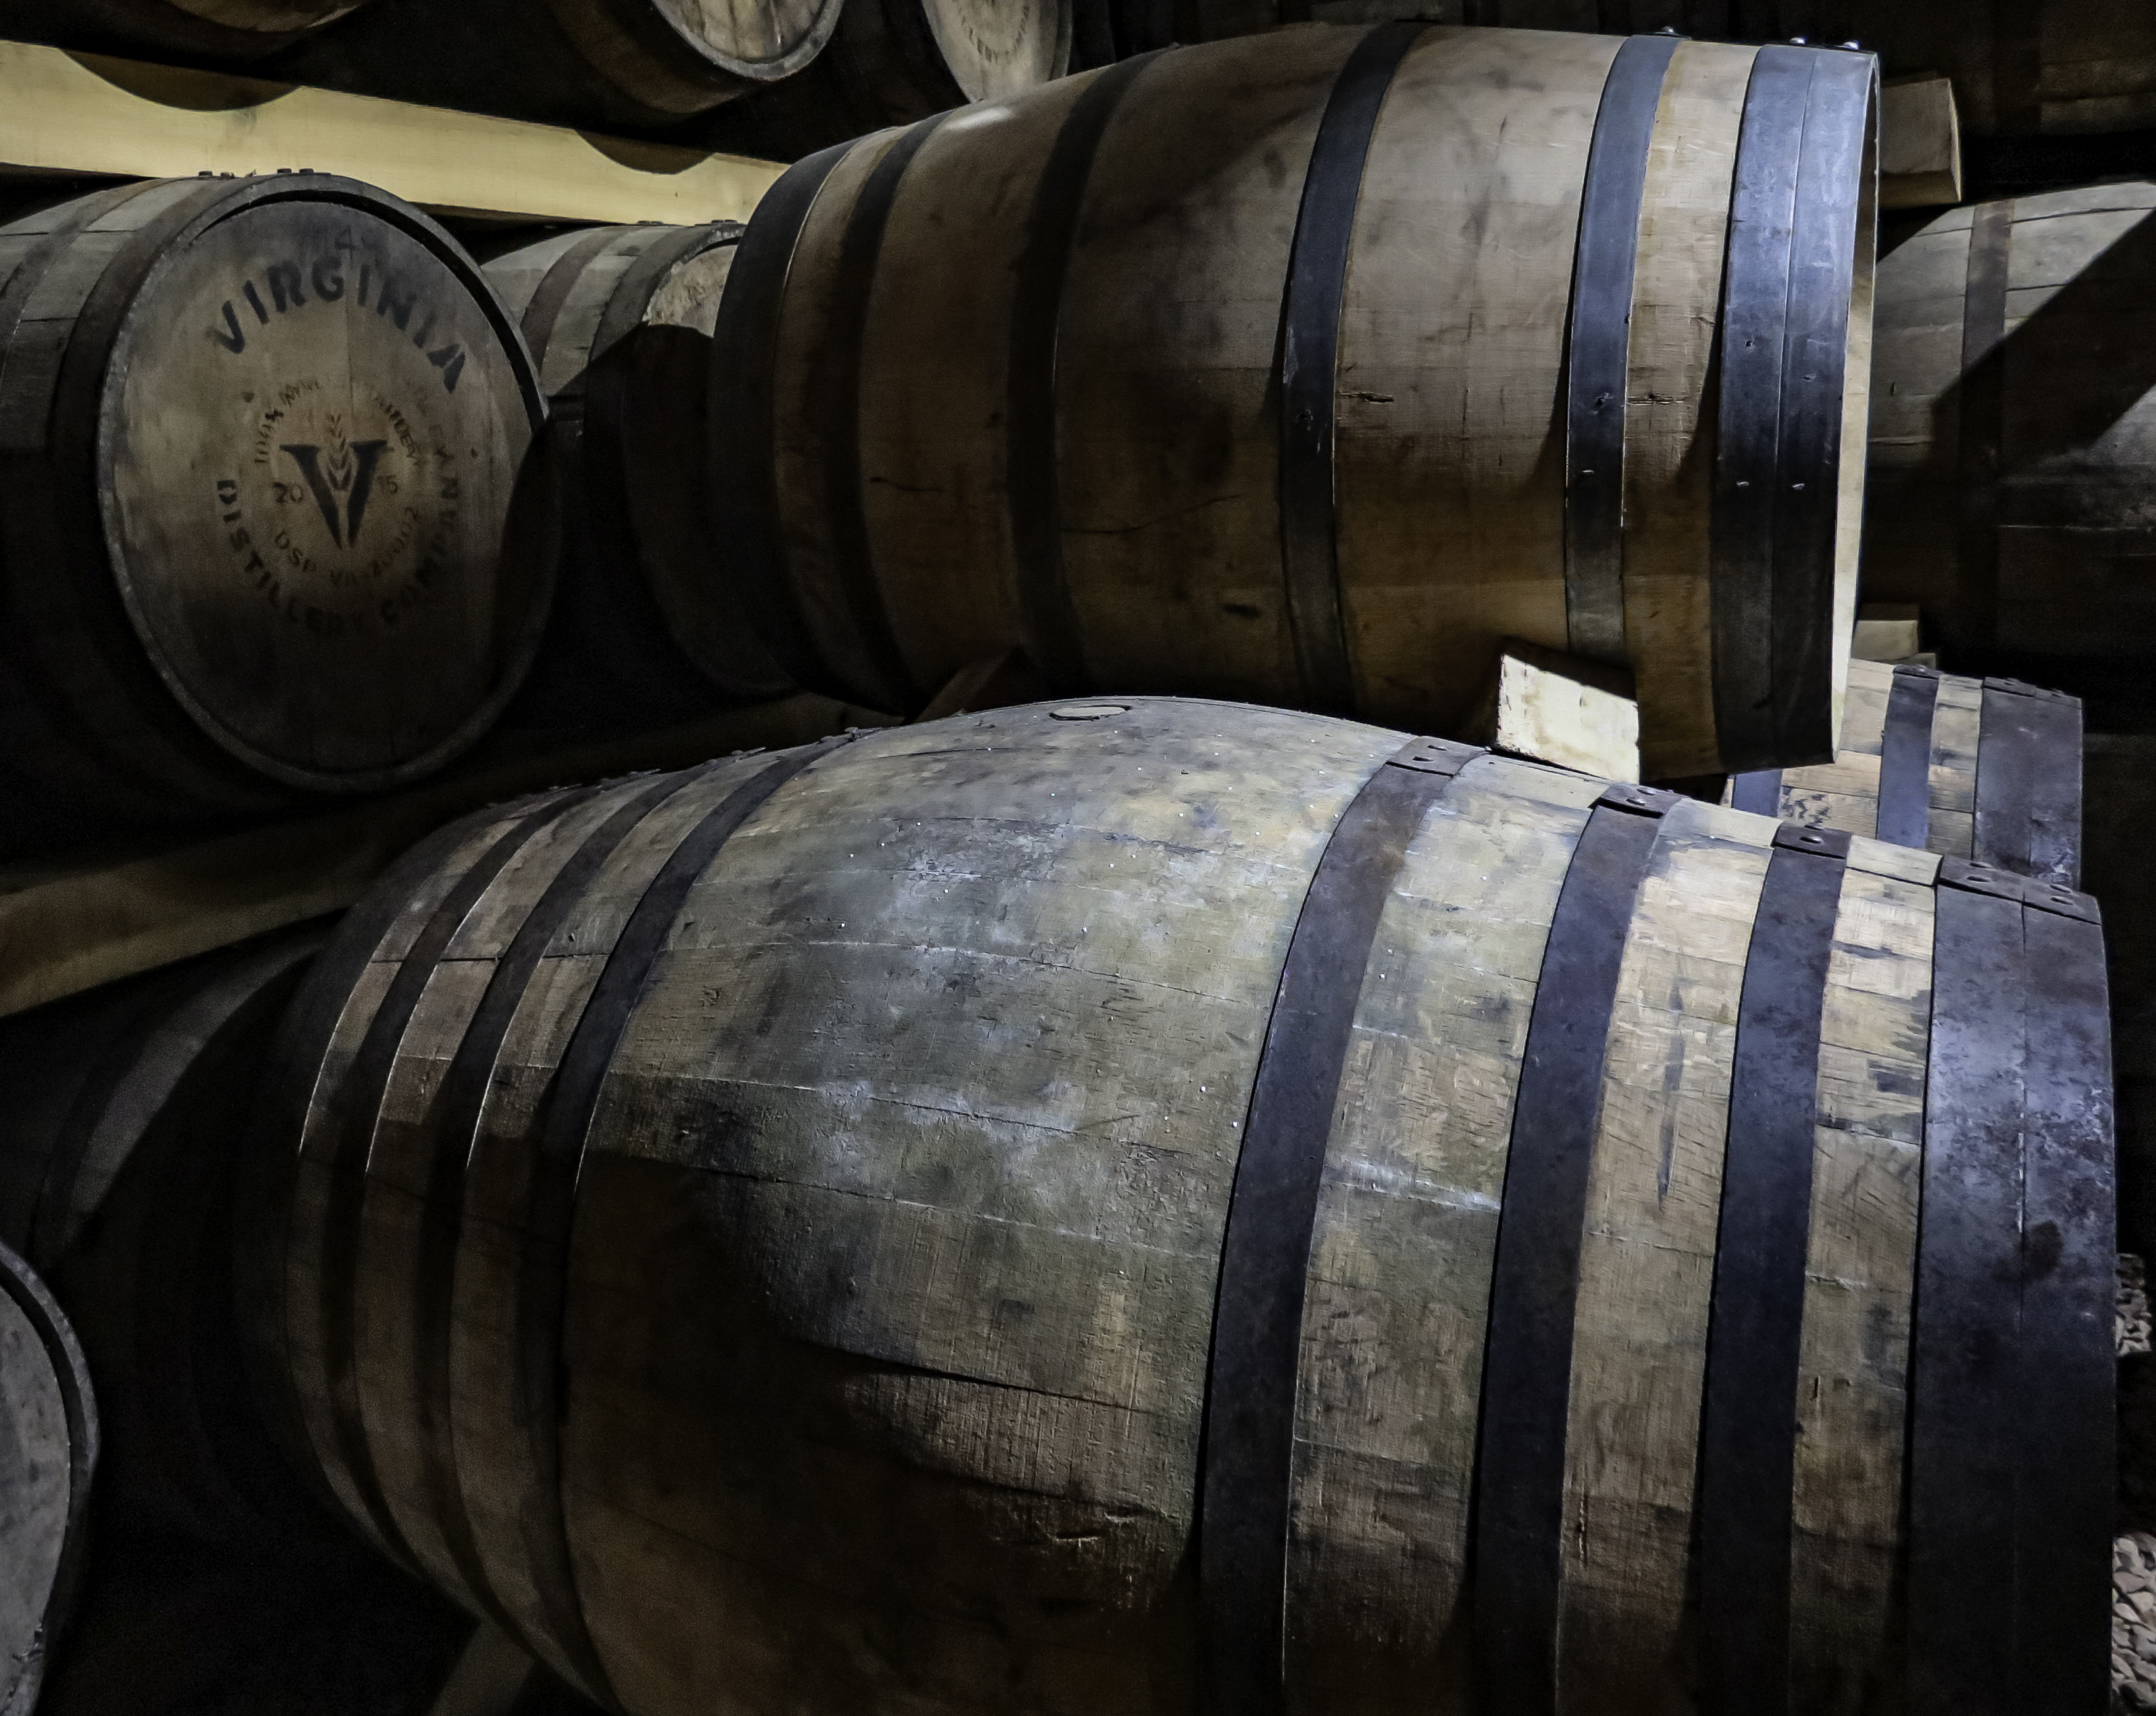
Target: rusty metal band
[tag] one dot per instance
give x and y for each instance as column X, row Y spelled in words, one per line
column 1971, row 619
column 1965, row 1446
column 1310, row 363
column 444, row 1138
column 743, row 470
column 1748, row 1449
column 557, row 1142
column 359, row 1098
column 1527, row 1371
column 1759, row 792
column 1055, row 642
column 1248, row 1458
column 78, row 1406
column 2029, row 782
column 876, row 665
column 1790, row 272
column 2068, row 1380
column 1598, row 353
column 1904, row 814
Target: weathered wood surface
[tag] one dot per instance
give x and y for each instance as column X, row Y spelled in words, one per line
column 70, row 925
column 891, row 62
column 219, row 31
column 1557, row 708
column 1919, row 143
column 1032, row 397
column 1844, row 794
column 2014, row 440
column 85, row 114
column 647, row 628
column 257, row 517
column 879, row 1280
column 48, row 1436
column 2054, row 66
column 637, row 64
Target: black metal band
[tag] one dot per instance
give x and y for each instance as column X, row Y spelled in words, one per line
column 1972, row 617
column 744, row 409
column 1904, row 814
column 1055, row 643
column 1598, row 359
column 1310, row 362
column 444, row 1138
column 1759, row 791
column 1748, row 1410
column 558, row 1138
column 2068, row 1381
column 78, row 1406
column 1249, row 1453
column 1527, row 1367
column 875, row 670
column 1965, row 1446
column 359, row 1096
column 1792, row 255
column 2029, row 782
column 536, row 324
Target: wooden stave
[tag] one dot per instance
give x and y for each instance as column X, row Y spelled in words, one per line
column 615, row 63
column 644, row 624
column 134, row 1096
column 107, row 745
column 805, row 569
column 1844, row 1592
column 1969, row 723
column 1998, row 510
column 221, row 32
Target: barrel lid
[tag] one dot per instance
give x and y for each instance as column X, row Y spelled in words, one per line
column 311, row 424
column 1000, row 48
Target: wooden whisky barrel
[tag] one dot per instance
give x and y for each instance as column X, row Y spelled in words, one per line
column 262, row 435
column 619, row 319
column 1254, row 369
column 793, row 1225
column 637, row 64
column 2013, row 442
column 1984, row 769
column 117, row 1165
column 2050, row 66
column 226, row 31
column 891, row 62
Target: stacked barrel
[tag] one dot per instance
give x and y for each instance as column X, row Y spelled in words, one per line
column 1161, row 1179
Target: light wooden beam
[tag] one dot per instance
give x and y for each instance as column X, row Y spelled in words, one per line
column 66, row 929
column 66, row 115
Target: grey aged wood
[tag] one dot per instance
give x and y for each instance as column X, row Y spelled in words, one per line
column 2014, row 437
column 879, row 1284
column 647, row 623
column 262, row 436
column 634, row 63
column 1017, row 382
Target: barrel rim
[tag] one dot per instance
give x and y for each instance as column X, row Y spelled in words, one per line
column 659, row 20
column 120, row 291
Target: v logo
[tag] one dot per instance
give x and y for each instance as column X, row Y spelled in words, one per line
column 350, row 478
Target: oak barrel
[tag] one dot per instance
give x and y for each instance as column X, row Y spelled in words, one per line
column 2045, row 66
column 117, row 1181
column 1251, row 370
column 645, row 623
column 2013, row 441
column 891, row 62
column 637, row 64
column 234, row 31
column 789, row 1227
column 1983, row 769
column 260, row 439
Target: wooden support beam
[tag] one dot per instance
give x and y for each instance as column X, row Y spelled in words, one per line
column 68, row 115
column 66, row 929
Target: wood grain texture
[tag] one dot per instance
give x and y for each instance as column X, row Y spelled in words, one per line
column 1157, row 412
column 888, row 1285
column 265, row 557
